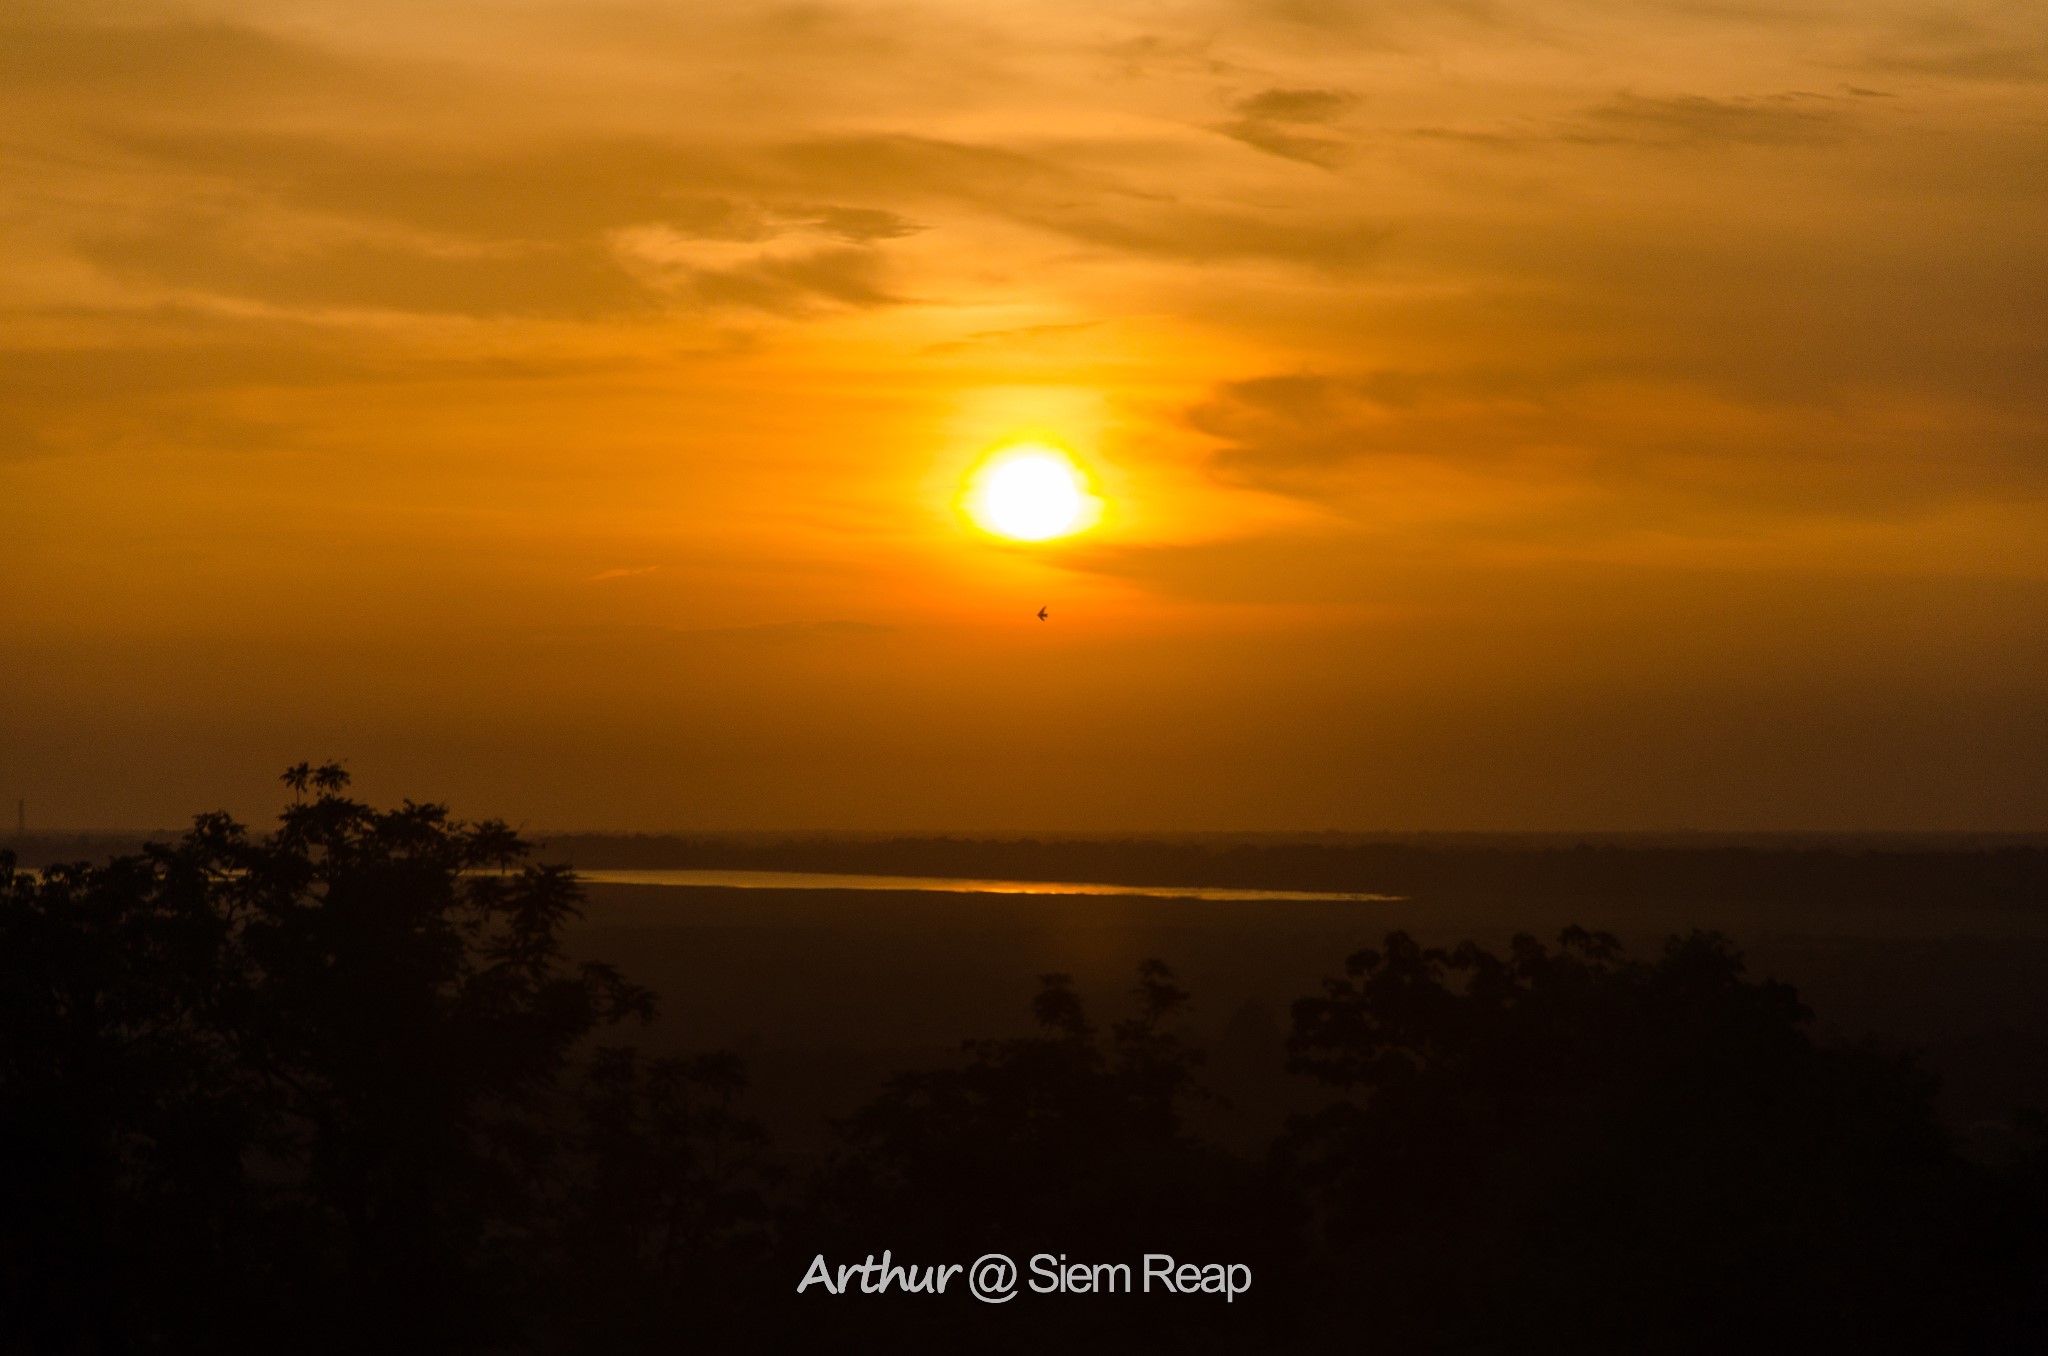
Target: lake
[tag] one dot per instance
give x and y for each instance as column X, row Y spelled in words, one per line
column 822, row 880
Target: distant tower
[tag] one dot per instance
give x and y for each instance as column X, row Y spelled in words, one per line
column 21, row 818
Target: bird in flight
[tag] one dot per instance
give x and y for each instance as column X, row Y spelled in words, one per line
column 1041, row 614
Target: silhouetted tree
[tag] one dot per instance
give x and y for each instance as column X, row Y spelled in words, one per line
column 123, row 1118
column 1030, row 1134
column 1071, row 1141
column 1566, row 1150
column 309, row 1085
column 664, row 1230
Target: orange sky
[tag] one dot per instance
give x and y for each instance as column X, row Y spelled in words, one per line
column 1508, row 415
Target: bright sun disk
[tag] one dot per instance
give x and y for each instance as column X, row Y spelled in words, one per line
column 1031, row 496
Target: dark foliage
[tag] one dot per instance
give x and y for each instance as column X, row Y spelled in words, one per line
column 664, row 1230
column 305, row 1087
column 1064, row 1123
column 1566, row 1150
column 1071, row 1138
column 342, row 1087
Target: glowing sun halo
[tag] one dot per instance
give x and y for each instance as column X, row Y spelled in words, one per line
column 1030, row 494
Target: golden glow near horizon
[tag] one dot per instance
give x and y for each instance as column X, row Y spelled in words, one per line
column 1541, row 413
column 1030, row 492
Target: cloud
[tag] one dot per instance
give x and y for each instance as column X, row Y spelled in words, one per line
column 158, row 383
column 1297, row 105
column 308, row 220
column 1957, row 46
column 1361, row 20
column 764, row 634
column 179, row 64
column 906, row 166
column 1290, row 432
column 1205, row 235
column 201, row 254
column 1322, row 152
column 569, row 188
column 1154, row 54
column 1561, row 455
column 622, row 572
column 1694, row 120
column 1022, row 334
column 787, row 276
column 614, row 225
column 1271, row 121
column 856, row 225
column 187, row 378
column 1040, row 191
column 752, row 220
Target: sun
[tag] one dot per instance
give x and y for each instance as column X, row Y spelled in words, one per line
column 1030, row 492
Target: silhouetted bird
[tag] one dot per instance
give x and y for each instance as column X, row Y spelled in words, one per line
column 1041, row 614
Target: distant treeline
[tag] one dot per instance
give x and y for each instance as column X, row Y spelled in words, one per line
column 36, row 850
column 2000, row 871
column 2006, row 875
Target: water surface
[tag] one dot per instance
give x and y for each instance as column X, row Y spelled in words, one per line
column 825, row 880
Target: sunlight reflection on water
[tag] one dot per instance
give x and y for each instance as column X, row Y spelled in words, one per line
column 821, row 880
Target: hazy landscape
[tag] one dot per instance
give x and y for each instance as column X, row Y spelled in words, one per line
column 1933, row 945
column 821, row 1033
column 1222, row 676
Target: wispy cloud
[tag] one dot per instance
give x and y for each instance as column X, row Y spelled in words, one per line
column 1021, row 334
column 1274, row 120
column 1697, row 120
